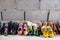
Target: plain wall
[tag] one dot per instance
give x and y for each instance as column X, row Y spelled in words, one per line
column 36, row 15
column 15, row 9
column 13, row 15
column 54, row 15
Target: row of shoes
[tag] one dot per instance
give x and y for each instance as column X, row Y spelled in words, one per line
column 47, row 29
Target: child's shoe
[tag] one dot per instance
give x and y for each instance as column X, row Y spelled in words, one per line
column 5, row 28
column 44, row 31
column 20, row 28
column 25, row 28
column 50, row 31
column 15, row 28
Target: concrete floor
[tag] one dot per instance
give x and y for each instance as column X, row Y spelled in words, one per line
column 17, row 37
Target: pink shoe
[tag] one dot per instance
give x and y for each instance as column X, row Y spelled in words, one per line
column 20, row 28
column 25, row 30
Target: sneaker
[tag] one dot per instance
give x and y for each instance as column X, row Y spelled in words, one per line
column 20, row 28
column 25, row 28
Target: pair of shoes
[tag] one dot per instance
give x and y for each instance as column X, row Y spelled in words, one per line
column 29, row 27
column 47, row 31
column 54, row 26
column 22, row 29
column 12, row 27
column 32, row 29
column 15, row 27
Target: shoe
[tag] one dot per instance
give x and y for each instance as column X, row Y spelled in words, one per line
column 20, row 28
column 51, row 34
column 10, row 27
column 5, row 28
column 25, row 28
column 29, row 27
column 15, row 28
column 44, row 31
column 39, row 24
column 35, row 29
column 29, row 30
column 50, row 31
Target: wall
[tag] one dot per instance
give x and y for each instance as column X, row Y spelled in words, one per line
column 54, row 15
column 36, row 10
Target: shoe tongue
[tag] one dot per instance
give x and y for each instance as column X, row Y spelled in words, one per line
column 29, row 23
column 49, row 28
column 20, row 25
column 25, row 25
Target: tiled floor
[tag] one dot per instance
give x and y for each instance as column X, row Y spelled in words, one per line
column 17, row 37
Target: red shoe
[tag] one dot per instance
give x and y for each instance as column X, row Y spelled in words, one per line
column 54, row 27
column 20, row 28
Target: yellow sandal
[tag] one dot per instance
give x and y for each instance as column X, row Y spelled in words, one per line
column 44, row 31
column 50, row 31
